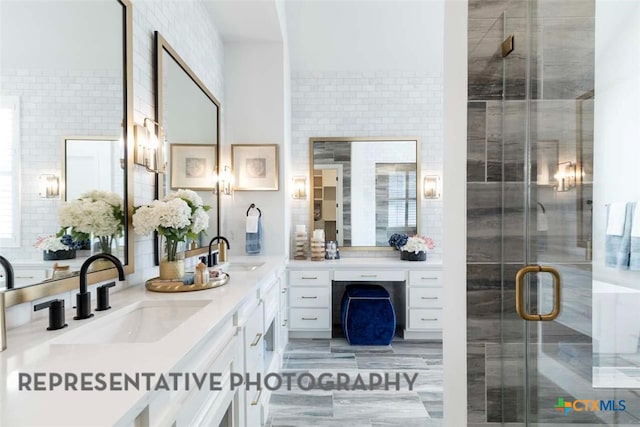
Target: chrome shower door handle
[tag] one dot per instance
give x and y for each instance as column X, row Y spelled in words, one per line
column 520, row 309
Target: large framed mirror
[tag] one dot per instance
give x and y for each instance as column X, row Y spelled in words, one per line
column 363, row 190
column 76, row 80
column 189, row 115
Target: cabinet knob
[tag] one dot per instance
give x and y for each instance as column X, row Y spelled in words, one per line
column 429, row 297
column 309, row 318
column 303, row 297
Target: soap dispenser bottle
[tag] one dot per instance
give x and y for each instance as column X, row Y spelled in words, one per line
column 202, row 274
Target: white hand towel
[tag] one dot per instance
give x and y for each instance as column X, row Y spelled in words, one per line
column 252, row 224
column 615, row 223
column 543, row 223
column 635, row 224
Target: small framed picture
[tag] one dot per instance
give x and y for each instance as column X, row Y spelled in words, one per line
column 255, row 167
column 193, row 166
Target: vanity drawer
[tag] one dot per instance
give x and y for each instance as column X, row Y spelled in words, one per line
column 310, row 318
column 309, row 278
column 369, row 276
column 425, row 278
column 310, row 297
column 425, row 318
column 425, row 297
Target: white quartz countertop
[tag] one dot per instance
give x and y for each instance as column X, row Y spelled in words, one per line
column 31, row 348
column 379, row 263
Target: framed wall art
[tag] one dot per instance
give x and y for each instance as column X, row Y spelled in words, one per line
column 255, row 167
column 193, row 166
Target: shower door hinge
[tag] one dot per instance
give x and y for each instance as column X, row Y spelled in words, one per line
column 507, row 46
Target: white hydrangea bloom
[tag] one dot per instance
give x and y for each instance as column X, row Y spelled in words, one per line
column 189, row 195
column 200, row 221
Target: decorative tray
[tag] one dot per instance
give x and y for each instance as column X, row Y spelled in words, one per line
column 157, row 285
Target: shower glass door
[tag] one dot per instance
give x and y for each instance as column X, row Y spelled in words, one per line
column 582, row 366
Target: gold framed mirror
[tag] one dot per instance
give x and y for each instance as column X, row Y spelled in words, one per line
column 364, row 189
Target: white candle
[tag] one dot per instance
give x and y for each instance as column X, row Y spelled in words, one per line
column 301, row 228
column 318, row 234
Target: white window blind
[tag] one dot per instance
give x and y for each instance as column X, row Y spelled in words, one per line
column 402, row 202
column 9, row 171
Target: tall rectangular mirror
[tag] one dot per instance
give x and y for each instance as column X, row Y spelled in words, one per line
column 363, row 190
column 190, row 116
column 66, row 81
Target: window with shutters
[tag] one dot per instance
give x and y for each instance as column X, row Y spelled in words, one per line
column 396, row 199
column 9, row 171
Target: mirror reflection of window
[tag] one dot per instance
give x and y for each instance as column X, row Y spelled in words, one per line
column 396, row 200
column 9, row 171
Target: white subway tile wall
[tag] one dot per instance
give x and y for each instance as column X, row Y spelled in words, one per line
column 361, row 104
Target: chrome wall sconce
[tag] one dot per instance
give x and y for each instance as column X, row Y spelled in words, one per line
column 149, row 146
column 431, row 186
column 49, row 186
column 299, row 187
column 566, row 176
column 224, row 182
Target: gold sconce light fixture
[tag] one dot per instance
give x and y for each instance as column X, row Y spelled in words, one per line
column 431, row 186
column 149, row 146
column 48, row 186
column 299, row 187
column 224, row 182
column 566, row 176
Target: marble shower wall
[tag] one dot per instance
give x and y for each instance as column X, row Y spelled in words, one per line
column 559, row 64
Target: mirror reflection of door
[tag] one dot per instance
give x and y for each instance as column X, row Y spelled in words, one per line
column 327, row 201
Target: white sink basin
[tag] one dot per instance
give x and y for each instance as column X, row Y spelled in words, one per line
column 142, row 322
column 243, row 266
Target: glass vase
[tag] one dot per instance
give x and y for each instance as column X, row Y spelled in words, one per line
column 172, row 262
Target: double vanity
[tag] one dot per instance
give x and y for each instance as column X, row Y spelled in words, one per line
column 116, row 361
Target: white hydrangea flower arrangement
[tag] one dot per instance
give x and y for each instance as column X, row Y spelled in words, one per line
column 50, row 244
column 96, row 212
column 418, row 244
column 179, row 215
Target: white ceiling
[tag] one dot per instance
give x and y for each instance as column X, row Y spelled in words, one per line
column 246, row 20
column 341, row 34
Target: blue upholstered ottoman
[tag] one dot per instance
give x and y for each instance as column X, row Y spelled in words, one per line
column 367, row 317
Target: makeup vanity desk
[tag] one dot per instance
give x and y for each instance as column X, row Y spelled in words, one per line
column 315, row 291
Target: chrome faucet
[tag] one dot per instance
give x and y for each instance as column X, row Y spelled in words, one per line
column 222, row 255
column 83, row 298
column 8, row 273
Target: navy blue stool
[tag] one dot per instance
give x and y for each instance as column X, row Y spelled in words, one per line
column 367, row 315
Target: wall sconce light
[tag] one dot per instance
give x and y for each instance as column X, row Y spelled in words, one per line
column 149, row 146
column 566, row 176
column 224, row 182
column 49, row 186
column 299, row 187
column 431, row 186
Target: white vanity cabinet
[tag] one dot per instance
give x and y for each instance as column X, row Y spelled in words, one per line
column 220, row 353
column 264, row 340
column 310, row 303
column 418, row 284
column 424, row 304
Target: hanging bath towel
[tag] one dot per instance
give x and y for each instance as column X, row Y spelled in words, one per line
column 618, row 235
column 634, row 262
column 253, row 244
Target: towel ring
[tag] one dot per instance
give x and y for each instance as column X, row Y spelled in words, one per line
column 253, row 206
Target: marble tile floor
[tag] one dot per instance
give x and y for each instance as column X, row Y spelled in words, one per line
column 304, row 405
